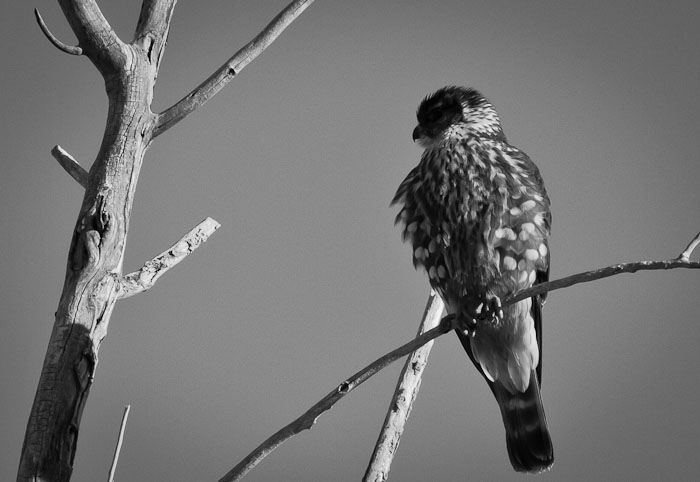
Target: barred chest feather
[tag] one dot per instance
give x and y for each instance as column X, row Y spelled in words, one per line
column 477, row 215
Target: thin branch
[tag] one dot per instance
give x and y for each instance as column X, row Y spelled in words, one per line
column 405, row 393
column 447, row 324
column 71, row 166
column 685, row 255
column 230, row 69
column 118, row 448
column 144, row 279
column 682, row 261
column 69, row 49
column 308, row 419
column 388, row 442
column 601, row 273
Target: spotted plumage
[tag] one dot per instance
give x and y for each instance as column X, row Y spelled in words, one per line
column 477, row 216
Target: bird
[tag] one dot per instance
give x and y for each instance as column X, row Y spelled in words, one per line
column 477, row 215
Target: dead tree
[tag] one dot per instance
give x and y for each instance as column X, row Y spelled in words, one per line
column 94, row 280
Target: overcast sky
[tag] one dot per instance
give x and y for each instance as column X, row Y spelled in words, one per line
column 307, row 280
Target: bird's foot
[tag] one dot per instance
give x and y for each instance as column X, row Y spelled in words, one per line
column 458, row 322
column 479, row 311
column 487, row 310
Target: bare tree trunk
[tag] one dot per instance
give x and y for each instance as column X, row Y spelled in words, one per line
column 94, row 280
column 91, row 285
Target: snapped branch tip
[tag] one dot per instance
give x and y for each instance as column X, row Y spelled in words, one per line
column 70, row 165
column 144, row 279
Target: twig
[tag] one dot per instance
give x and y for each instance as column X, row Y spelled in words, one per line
column 118, row 448
column 144, row 279
column 404, row 395
column 73, row 50
column 685, row 255
column 230, row 69
column 447, row 324
column 71, row 166
column 308, row 419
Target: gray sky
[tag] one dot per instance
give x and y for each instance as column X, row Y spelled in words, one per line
column 307, row 280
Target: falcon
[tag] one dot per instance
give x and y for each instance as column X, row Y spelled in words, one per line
column 477, row 215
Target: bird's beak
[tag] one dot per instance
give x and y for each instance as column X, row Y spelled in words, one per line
column 417, row 133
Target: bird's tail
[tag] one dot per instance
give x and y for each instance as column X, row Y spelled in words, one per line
column 527, row 436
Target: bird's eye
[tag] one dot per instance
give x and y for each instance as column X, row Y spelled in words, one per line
column 435, row 115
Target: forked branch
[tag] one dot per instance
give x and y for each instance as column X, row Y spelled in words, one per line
column 447, row 324
column 230, row 69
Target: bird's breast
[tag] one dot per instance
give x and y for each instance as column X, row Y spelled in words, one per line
column 459, row 184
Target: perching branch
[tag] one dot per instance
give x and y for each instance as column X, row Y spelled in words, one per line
column 681, row 262
column 230, row 69
column 71, row 166
column 308, row 419
column 69, row 49
column 118, row 448
column 387, row 445
column 144, row 279
column 447, row 324
column 405, row 393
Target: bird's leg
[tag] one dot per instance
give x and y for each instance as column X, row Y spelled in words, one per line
column 448, row 322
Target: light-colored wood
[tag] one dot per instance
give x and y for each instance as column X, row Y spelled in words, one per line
column 404, row 395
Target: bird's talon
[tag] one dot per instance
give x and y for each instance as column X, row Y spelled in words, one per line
column 488, row 311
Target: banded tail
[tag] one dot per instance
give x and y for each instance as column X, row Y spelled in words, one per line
column 527, row 437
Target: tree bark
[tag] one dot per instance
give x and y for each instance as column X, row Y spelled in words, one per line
column 95, row 256
column 404, row 395
column 94, row 280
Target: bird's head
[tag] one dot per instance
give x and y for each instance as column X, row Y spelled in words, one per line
column 455, row 113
